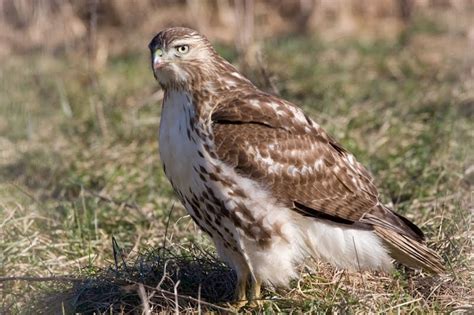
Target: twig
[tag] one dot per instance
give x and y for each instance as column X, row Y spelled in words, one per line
column 117, row 250
column 144, row 298
column 399, row 305
column 161, row 280
column 176, row 302
column 116, row 202
column 167, row 226
column 186, row 297
column 110, row 200
column 199, row 299
column 26, row 193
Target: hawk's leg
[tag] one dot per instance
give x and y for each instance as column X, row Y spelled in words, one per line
column 240, row 295
column 255, row 292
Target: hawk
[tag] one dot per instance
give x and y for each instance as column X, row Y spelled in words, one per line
column 264, row 180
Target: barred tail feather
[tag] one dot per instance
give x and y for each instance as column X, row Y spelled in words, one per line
column 410, row 252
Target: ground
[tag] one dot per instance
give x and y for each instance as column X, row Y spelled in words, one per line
column 79, row 165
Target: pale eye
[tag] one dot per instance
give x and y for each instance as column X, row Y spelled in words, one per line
column 182, row 49
column 159, row 52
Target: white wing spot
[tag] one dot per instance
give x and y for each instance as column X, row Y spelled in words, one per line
column 319, row 164
column 255, row 103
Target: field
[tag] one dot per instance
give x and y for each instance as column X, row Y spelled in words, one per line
column 79, row 166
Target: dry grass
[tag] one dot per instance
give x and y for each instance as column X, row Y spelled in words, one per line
column 79, row 165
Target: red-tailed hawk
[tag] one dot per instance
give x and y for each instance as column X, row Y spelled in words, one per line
column 264, row 180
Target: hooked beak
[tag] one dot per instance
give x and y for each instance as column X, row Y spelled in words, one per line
column 157, row 63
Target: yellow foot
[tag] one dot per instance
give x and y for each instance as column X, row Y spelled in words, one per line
column 238, row 304
column 256, row 303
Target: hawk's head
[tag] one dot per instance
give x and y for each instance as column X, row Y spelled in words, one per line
column 177, row 55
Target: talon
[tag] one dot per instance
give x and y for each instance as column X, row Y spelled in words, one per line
column 256, row 303
column 238, row 304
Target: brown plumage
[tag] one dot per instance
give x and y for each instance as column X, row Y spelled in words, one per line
column 263, row 179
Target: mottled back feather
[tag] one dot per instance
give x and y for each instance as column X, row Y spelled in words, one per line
column 285, row 151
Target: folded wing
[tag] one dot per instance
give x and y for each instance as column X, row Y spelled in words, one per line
column 274, row 143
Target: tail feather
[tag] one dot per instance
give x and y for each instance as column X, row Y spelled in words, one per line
column 409, row 251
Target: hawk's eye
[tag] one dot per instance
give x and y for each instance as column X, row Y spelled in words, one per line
column 159, row 52
column 182, row 49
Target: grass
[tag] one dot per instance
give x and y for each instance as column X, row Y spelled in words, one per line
column 79, row 164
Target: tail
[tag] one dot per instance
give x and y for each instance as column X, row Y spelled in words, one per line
column 410, row 252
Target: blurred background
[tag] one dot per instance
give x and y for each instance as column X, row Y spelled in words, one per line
column 102, row 29
column 392, row 80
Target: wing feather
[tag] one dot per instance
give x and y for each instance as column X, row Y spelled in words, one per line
column 273, row 142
